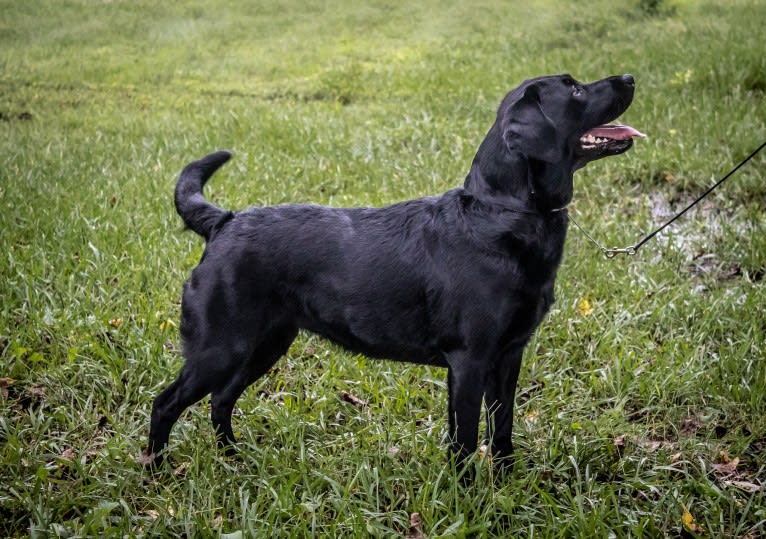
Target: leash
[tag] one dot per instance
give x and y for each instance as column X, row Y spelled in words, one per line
column 631, row 250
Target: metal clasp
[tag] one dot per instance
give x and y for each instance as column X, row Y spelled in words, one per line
column 614, row 251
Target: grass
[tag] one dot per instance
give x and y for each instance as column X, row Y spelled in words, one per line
column 641, row 404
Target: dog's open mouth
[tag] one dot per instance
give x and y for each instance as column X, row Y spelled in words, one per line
column 608, row 139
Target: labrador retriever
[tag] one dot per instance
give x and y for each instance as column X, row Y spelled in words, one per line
column 458, row 281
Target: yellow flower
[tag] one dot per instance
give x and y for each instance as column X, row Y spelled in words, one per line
column 682, row 77
column 688, row 520
column 585, row 307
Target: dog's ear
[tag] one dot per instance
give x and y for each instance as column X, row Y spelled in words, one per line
column 530, row 131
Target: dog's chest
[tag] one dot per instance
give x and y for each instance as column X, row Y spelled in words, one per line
column 536, row 260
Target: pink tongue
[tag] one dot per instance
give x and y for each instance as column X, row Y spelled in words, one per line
column 615, row 132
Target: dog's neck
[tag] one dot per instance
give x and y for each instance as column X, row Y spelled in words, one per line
column 550, row 186
column 501, row 176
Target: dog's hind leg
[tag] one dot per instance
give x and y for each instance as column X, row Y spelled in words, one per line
column 213, row 359
column 187, row 389
column 261, row 360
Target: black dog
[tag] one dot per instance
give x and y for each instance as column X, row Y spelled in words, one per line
column 459, row 280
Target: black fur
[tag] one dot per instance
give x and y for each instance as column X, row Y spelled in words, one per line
column 459, row 281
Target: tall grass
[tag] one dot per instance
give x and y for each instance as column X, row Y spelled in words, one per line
column 640, row 408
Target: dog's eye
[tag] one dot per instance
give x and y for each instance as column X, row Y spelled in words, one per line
column 576, row 88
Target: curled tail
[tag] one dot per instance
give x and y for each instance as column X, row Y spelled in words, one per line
column 198, row 214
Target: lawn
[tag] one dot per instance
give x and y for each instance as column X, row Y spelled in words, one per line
column 640, row 410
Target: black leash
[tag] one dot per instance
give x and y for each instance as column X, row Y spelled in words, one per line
column 633, row 249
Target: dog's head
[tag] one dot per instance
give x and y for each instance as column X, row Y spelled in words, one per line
column 560, row 120
column 546, row 129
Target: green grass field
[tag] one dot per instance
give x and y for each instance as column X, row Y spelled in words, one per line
column 641, row 408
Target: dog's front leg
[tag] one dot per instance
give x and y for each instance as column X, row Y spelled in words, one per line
column 466, row 389
column 500, row 392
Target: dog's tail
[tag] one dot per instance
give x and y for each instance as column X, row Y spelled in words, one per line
column 198, row 214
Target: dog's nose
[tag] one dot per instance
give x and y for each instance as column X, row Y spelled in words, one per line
column 628, row 79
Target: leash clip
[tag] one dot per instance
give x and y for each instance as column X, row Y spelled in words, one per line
column 614, row 251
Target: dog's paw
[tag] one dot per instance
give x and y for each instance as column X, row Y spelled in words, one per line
column 149, row 460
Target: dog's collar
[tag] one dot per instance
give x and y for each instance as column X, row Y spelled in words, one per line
column 534, row 211
column 532, row 197
column 514, row 205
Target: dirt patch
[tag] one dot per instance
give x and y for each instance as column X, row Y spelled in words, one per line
column 25, row 116
column 695, row 236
